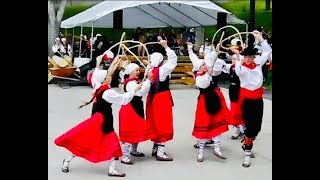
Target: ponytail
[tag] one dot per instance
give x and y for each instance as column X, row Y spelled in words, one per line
column 87, row 103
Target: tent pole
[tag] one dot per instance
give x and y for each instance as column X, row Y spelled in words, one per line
column 92, row 40
column 73, row 38
column 80, row 41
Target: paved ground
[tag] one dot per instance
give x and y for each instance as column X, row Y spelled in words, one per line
column 63, row 114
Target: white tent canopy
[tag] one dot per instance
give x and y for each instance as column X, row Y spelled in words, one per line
column 151, row 14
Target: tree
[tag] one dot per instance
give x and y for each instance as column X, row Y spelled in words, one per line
column 268, row 2
column 54, row 20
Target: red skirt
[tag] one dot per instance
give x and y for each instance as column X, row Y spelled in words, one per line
column 86, row 140
column 236, row 114
column 207, row 125
column 159, row 115
column 133, row 128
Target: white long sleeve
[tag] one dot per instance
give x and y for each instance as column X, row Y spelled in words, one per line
column 238, row 69
column 192, row 56
column 203, row 81
column 167, row 68
column 217, row 67
column 121, row 75
column 144, row 88
column 266, row 52
column 55, row 48
column 111, row 96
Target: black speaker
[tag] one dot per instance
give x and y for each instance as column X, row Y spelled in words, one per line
column 221, row 19
column 118, row 19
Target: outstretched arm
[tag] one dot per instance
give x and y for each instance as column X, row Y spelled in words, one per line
column 167, row 68
column 114, row 97
column 266, row 48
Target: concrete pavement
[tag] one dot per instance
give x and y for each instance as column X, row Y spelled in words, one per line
column 63, row 115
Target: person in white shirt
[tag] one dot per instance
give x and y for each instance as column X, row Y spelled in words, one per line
column 212, row 111
column 132, row 125
column 67, row 50
column 58, row 51
column 236, row 119
column 249, row 70
column 159, row 100
column 94, row 139
column 206, row 48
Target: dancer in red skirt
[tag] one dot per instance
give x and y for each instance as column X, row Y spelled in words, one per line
column 132, row 126
column 94, row 139
column 234, row 89
column 159, row 101
column 249, row 70
column 212, row 111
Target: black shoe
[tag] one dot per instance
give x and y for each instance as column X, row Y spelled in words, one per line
column 245, row 165
column 130, row 162
column 137, row 154
column 196, row 146
column 154, row 150
column 117, row 174
column 155, row 153
column 166, row 158
column 207, row 143
column 210, row 142
column 236, row 136
column 65, row 169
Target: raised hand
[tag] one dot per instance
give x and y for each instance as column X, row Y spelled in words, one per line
column 257, row 35
column 164, row 43
column 190, row 46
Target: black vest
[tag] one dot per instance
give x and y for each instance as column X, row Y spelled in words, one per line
column 136, row 103
column 159, row 86
column 234, row 88
column 103, row 107
column 211, row 98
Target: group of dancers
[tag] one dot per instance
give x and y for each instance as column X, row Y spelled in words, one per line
column 95, row 140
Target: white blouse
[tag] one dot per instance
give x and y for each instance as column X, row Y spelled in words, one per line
column 167, row 68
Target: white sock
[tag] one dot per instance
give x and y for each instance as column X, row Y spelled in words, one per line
column 247, row 152
column 134, row 148
column 247, row 155
column 112, row 165
column 216, row 143
column 201, row 144
column 160, row 151
column 241, row 129
column 70, row 157
column 67, row 160
column 125, row 149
